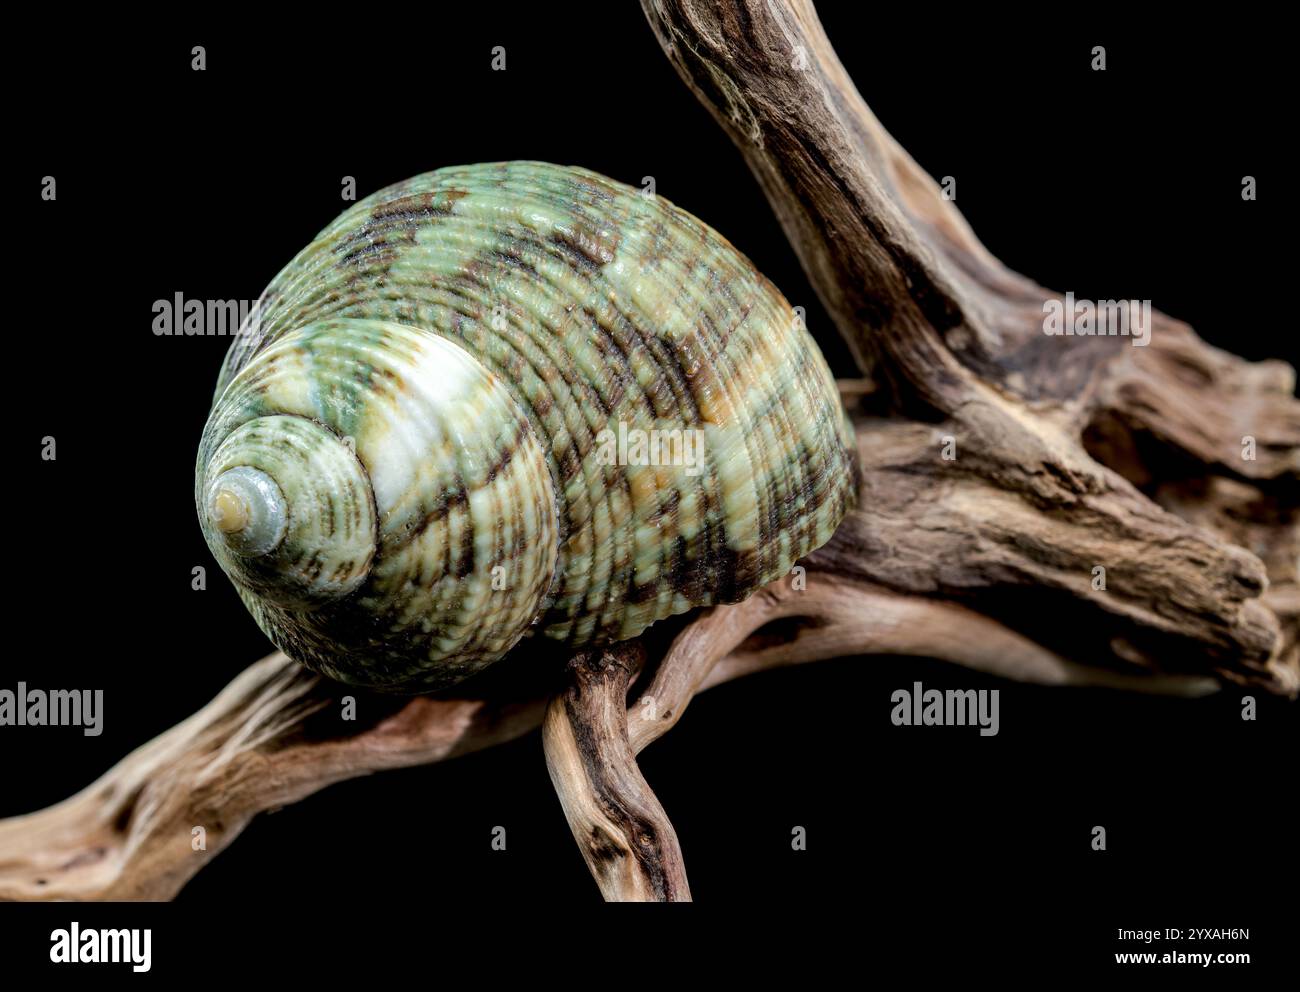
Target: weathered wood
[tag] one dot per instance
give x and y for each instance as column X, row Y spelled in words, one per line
column 271, row 738
column 1065, row 450
column 621, row 829
column 274, row 737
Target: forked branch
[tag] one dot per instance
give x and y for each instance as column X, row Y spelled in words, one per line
column 1145, row 498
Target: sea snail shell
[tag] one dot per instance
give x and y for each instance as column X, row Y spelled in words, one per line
column 408, row 465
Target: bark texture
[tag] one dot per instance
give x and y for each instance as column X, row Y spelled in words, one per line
column 1069, row 453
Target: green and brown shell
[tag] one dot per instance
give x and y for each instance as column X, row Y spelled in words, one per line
column 424, row 445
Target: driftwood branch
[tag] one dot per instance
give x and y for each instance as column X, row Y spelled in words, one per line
column 274, row 737
column 1069, row 454
column 271, row 738
column 621, row 828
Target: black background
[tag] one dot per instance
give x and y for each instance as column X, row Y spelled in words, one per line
column 1123, row 183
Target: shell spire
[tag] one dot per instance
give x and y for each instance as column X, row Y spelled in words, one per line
column 502, row 398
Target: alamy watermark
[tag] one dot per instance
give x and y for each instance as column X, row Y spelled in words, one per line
column 679, row 446
column 55, row 708
column 179, row 317
column 919, row 707
column 1105, row 318
column 77, row 946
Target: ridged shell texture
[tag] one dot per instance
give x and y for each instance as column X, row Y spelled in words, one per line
column 434, row 393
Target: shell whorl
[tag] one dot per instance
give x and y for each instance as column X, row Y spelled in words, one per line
column 470, row 340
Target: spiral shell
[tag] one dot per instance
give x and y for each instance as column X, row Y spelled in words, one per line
column 407, row 466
